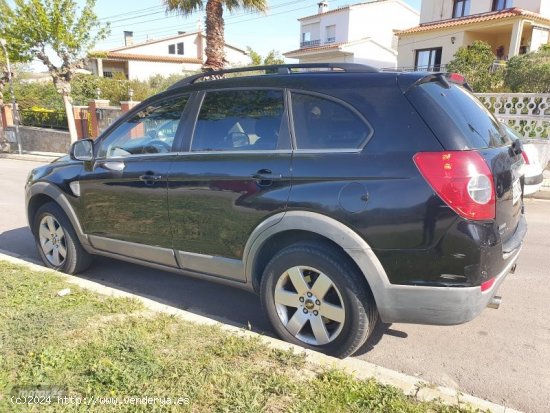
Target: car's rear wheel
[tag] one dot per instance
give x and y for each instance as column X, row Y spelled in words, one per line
column 314, row 297
column 57, row 243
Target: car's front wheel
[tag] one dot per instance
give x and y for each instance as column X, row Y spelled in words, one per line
column 314, row 297
column 57, row 242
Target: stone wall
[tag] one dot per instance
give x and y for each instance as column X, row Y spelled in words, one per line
column 43, row 140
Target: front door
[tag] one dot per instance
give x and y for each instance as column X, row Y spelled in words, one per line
column 123, row 193
column 236, row 174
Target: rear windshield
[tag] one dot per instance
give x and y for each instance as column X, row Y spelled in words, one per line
column 458, row 118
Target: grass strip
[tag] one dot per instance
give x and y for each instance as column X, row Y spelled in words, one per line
column 102, row 351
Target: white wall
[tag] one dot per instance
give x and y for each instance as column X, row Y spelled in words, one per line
column 144, row 70
column 190, row 47
column 371, row 54
column 538, row 38
column 545, row 8
column 234, row 57
column 317, row 26
column 532, row 5
column 190, row 50
column 365, row 53
column 379, row 20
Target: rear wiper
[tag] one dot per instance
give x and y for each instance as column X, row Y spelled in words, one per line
column 517, row 147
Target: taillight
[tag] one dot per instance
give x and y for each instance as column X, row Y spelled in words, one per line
column 487, row 284
column 525, row 157
column 462, row 180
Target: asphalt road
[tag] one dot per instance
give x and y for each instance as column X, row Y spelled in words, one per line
column 502, row 356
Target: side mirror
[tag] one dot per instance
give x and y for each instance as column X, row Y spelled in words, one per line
column 82, row 150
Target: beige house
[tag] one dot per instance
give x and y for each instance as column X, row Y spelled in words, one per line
column 511, row 27
column 183, row 52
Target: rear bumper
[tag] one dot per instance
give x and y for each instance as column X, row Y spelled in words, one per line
column 439, row 305
column 448, row 305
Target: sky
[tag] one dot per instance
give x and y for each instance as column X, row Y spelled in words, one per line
column 278, row 29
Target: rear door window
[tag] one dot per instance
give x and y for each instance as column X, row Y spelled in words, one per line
column 239, row 120
column 323, row 123
column 455, row 115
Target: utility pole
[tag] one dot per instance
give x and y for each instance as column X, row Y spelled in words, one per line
column 14, row 103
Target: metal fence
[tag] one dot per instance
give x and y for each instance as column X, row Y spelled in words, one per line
column 44, row 119
column 527, row 113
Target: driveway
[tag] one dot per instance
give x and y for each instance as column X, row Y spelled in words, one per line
column 502, row 356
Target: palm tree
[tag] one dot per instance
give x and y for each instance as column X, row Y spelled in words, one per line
column 215, row 42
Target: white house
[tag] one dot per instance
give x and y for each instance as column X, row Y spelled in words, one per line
column 357, row 33
column 169, row 55
column 511, row 27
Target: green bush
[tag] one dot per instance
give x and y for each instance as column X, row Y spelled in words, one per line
column 84, row 88
column 529, row 73
column 475, row 63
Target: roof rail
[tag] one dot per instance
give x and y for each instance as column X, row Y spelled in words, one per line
column 278, row 69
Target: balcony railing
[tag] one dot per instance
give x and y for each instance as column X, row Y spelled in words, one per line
column 435, row 68
column 330, row 39
column 310, row 43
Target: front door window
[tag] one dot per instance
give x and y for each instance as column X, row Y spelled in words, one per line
column 151, row 130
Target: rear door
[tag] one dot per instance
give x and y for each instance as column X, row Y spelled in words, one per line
column 461, row 122
column 235, row 175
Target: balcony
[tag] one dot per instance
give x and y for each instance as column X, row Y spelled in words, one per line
column 330, row 39
column 310, row 43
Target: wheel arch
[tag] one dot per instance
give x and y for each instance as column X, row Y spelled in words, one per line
column 294, row 226
column 41, row 193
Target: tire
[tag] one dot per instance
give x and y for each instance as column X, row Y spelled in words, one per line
column 57, row 242
column 347, row 299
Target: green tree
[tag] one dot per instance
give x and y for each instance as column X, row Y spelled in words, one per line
column 255, row 57
column 475, row 63
column 215, row 42
column 53, row 31
column 529, row 73
column 272, row 58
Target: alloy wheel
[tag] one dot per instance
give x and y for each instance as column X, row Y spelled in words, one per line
column 52, row 240
column 309, row 305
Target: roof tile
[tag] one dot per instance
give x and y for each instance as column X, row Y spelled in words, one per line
column 478, row 18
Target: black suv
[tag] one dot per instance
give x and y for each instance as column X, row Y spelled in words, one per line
column 341, row 194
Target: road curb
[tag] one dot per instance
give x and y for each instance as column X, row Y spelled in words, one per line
column 358, row 368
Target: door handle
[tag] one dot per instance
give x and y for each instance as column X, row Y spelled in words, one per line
column 150, row 177
column 266, row 175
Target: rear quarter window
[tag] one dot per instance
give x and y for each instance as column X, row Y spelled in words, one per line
column 457, row 117
column 323, row 123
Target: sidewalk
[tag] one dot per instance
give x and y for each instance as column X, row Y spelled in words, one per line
column 44, row 157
